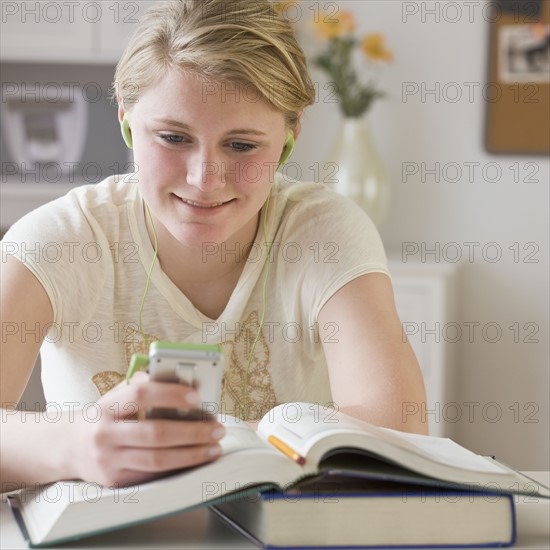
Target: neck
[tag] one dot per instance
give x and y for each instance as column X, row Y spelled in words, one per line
column 187, row 265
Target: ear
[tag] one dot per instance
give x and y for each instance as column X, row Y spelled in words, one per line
column 121, row 109
column 123, row 118
column 288, row 148
column 126, row 132
column 298, row 126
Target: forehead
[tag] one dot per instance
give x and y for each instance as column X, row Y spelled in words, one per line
column 187, row 95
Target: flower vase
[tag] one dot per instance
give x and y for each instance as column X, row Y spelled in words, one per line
column 354, row 169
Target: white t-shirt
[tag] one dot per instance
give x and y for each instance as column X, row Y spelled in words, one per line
column 91, row 252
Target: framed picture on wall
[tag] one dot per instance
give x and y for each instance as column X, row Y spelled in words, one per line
column 518, row 88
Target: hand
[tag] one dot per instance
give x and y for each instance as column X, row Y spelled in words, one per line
column 123, row 447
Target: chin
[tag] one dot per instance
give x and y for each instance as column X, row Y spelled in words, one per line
column 200, row 237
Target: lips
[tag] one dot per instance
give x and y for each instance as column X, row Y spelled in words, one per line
column 193, row 203
column 205, row 205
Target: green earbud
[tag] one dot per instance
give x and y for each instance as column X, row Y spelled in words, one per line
column 288, row 148
column 125, row 129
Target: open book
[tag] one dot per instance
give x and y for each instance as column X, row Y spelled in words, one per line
column 294, row 441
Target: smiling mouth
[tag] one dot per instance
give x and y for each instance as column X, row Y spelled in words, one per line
column 203, row 205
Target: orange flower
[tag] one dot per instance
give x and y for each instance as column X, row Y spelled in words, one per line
column 332, row 26
column 374, row 48
column 540, row 30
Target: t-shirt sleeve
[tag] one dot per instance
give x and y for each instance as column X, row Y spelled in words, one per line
column 326, row 242
column 67, row 253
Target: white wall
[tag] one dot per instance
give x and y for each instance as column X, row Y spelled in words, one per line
column 504, row 376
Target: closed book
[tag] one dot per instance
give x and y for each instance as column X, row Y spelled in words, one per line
column 293, row 442
column 344, row 513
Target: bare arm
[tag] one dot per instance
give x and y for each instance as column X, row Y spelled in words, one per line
column 24, row 303
column 118, row 449
column 373, row 371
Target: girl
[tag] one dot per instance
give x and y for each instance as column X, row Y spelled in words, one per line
column 204, row 241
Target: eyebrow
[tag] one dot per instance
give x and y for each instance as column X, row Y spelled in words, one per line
column 183, row 126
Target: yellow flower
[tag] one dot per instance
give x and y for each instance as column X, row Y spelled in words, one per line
column 332, row 26
column 280, row 7
column 374, row 48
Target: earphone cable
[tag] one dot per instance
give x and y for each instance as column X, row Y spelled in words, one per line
column 148, row 275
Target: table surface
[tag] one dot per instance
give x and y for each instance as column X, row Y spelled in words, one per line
column 202, row 529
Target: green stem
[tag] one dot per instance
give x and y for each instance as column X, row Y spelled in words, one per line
column 354, row 98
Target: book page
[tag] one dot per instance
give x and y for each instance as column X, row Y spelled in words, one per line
column 238, row 436
column 447, row 451
column 302, row 425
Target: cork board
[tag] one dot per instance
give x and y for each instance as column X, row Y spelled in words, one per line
column 517, row 93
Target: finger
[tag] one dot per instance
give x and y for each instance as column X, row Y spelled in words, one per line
column 139, row 376
column 162, row 433
column 137, row 397
column 164, row 460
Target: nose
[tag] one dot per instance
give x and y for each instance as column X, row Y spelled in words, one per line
column 205, row 170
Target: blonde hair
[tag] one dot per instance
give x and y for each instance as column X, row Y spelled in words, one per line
column 238, row 41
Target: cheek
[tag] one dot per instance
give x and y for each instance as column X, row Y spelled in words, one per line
column 257, row 170
column 157, row 163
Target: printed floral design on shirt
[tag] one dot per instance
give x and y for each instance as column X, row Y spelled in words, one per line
column 107, row 380
column 260, row 395
column 133, row 342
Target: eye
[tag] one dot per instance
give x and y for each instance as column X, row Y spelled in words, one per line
column 170, row 138
column 242, row 147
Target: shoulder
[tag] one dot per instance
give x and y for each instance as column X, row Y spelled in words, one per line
column 83, row 212
column 88, row 200
column 306, row 195
column 310, row 207
column 66, row 244
column 322, row 240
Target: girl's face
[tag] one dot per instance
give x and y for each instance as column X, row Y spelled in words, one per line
column 205, row 155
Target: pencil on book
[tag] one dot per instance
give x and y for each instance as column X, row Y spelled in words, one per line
column 285, row 449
